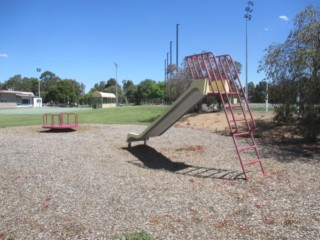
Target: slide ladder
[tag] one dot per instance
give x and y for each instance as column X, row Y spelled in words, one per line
column 224, row 82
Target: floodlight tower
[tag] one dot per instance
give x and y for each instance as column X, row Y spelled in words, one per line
column 39, row 89
column 39, row 70
column 177, row 47
column 170, row 52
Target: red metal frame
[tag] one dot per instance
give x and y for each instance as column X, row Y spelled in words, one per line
column 60, row 120
column 220, row 70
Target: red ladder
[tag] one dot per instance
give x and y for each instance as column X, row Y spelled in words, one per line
column 225, row 83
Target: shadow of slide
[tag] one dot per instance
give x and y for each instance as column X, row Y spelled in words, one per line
column 148, row 157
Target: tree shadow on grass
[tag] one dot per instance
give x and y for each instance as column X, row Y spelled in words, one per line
column 148, row 157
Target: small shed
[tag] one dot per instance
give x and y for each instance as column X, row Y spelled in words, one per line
column 103, row 100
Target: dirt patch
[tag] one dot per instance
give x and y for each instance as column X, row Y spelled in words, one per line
column 267, row 130
column 195, row 148
column 217, row 122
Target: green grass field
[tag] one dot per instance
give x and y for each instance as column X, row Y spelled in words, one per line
column 120, row 115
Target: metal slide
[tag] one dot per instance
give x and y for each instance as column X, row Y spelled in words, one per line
column 188, row 99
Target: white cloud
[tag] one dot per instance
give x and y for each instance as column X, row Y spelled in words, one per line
column 4, row 55
column 267, row 29
column 285, row 18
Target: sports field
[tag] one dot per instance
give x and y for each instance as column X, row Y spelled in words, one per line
column 120, row 115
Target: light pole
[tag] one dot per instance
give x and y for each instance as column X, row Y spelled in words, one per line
column 165, row 69
column 39, row 70
column 170, row 52
column 116, row 66
column 177, row 47
column 165, row 78
column 38, row 101
column 248, row 17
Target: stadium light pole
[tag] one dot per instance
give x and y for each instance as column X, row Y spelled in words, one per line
column 177, row 47
column 248, row 17
column 38, row 101
column 165, row 73
column 165, row 69
column 170, row 52
column 116, row 66
column 168, row 76
column 39, row 70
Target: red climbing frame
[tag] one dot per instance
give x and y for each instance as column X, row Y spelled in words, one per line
column 60, row 120
column 225, row 82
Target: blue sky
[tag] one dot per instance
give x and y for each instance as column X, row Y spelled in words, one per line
column 82, row 39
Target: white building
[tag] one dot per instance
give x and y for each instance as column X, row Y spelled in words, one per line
column 12, row 99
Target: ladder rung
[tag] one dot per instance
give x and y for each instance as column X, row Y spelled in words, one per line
column 233, row 106
column 229, row 93
column 241, row 134
column 238, row 120
column 252, row 162
column 246, row 148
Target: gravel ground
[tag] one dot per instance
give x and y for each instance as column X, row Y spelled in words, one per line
column 186, row 184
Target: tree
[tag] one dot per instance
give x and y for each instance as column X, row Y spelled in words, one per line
column 85, row 99
column 251, row 92
column 257, row 93
column 111, row 82
column 294, row 67
column 171, row 68
column 14, row 83
column 129, row 90
column 149, row 91
column 112, row 87
column 25, row 84
column 101, row 86
column 32, row 85
column 177, row 84
column 260, row 92
column 48, row 79
column 62, row 92
column 78, row 87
